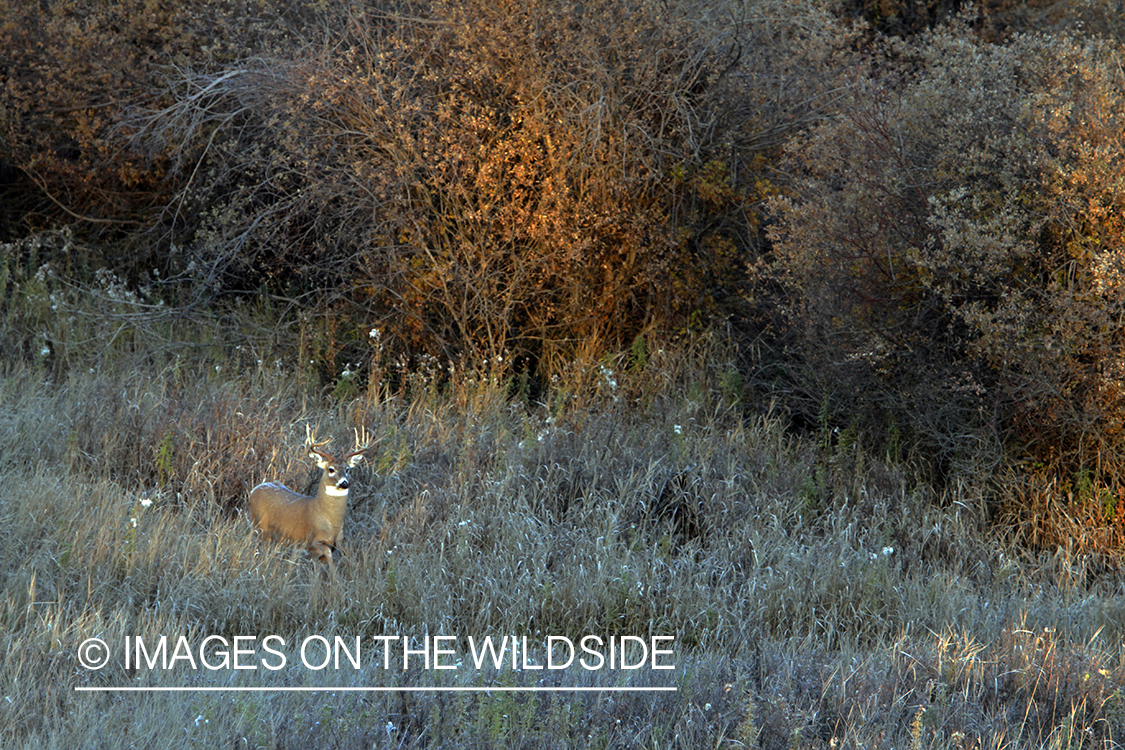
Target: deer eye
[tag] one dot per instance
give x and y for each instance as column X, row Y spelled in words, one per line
column 331, row 471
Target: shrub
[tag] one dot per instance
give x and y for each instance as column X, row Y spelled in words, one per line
column 952, row 253
column 490, row 179
column 468, row 178
column 73, row 73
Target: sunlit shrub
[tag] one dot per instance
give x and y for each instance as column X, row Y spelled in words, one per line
column 535, row 181
column 540, row 181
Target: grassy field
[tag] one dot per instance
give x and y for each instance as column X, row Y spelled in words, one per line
column 769, row 350
column 817, row 595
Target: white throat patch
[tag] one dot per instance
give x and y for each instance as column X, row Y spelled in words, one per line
column 334, row 491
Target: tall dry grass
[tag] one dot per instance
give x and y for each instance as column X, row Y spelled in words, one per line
column 819, row 597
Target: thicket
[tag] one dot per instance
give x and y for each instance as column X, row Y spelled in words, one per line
column 72, row 73
column 996, row 20
column 534, row 180
column 952, row 257
column 539, row 180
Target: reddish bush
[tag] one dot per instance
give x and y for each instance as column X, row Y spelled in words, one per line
column 480, row 178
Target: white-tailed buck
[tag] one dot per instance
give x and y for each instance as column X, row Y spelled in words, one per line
column 315, row 521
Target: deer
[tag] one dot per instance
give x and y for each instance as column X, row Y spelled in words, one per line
column 317, row 520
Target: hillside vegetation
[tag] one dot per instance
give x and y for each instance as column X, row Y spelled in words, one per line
column 818, row 596
column 795, row 331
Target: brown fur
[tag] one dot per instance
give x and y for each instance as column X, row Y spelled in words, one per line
column 316, row 521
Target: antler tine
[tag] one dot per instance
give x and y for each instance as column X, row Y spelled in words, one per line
column 362, row 442
column 312, row 443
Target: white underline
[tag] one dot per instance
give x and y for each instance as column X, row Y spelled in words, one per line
column 424, row 689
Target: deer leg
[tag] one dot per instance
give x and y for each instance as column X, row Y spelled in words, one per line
column 322, row 551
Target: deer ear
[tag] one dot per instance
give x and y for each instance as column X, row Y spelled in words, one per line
column 321, row 461
column 355, row 459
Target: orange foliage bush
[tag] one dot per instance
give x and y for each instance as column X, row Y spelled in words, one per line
column 480, row 179
column 470, row 178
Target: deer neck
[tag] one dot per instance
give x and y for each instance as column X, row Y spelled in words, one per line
column 332, row 500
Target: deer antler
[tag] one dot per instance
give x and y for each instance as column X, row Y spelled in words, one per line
column 362, row 442
column 312, row 444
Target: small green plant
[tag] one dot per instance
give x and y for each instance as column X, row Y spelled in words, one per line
column 638, row 355
column 131, row 530
column 165, row 459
